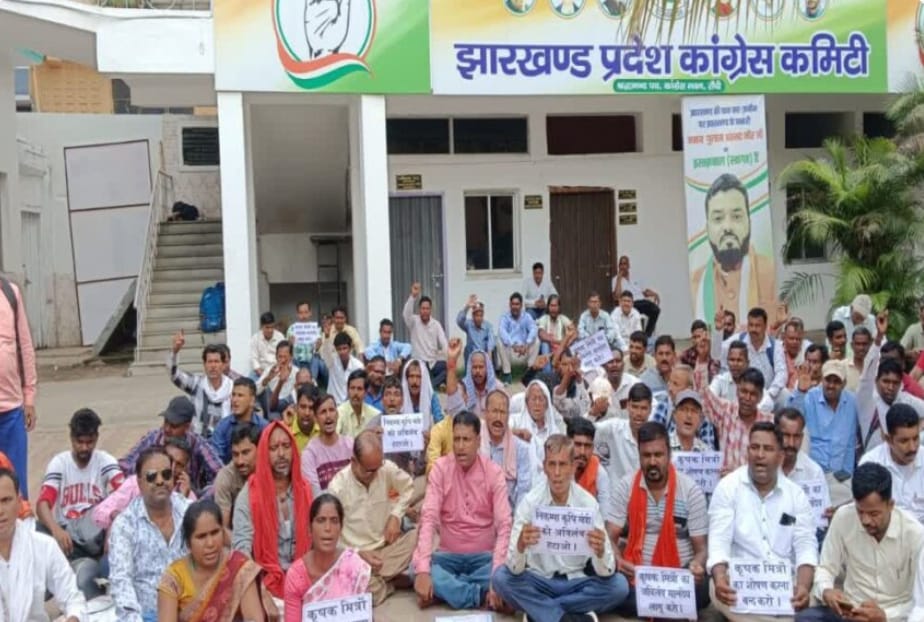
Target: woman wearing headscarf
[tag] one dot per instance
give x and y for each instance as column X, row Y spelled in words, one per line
column 418, row 394
column 537, row 421
column 479, row 380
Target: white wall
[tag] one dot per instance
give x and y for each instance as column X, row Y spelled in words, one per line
column 9, row 169
column 657, row 244
column 197, row 185
column 52, row 133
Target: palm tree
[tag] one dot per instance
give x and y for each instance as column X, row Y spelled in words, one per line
column 907, row 113
column 861, row 203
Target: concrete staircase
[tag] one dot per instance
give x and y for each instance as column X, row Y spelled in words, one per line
column 189, row 258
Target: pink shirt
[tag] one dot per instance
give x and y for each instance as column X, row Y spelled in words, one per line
column 470, row 507
column 13, row 391
column 114, row 504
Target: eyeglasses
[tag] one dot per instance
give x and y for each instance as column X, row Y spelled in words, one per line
column 151, row 476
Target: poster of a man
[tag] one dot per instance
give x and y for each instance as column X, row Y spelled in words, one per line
column 567, row 8
column 735, row 276
column 520, row 7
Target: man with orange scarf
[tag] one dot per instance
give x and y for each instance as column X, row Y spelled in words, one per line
column 674, row 535
column 277, row 499
column 588, row 471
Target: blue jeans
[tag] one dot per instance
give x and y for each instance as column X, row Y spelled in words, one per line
column 461, row 579
column 817, row 614
column 14, row 442
column 437, row 374
column 149, row 616
column 547, row 600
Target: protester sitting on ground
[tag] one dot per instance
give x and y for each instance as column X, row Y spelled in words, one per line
column 873, row 547
column 662, row 515
column 303, row 379
column 232, row 477
column 479, row 335
column 178, row 449
column 900, row 454
column 617, row 439
column 725, row 384
column 594, row 320
column 413, row 462
column 815, row 357
column 787, row 533
column 733, row 421
column 548, row 587
column 894, row 350
column 836, row 337
column 25, row 513
column 328, row 452
column 626, row 317
column 394, row 352
column 209, row 584
column 210, row 392
column 243, row 402
column 428, row 339
column 204, row 463
column 681, row 380
column 858, row 313
column 146, row 538
column 795, row 345
column 305, row 345
column 33, row 565
column 620, row 383
column 537, row 291
column 301, row 417
column 327, row 571
column 479, row 380
column 277, row 382
column 507, row 451
column 647, row 300
column 639, row 360
column 860, row 344
column 375, row 377
column 340, row 364
column 355, row 413
column 699, row 357
column 665, row 353
column 797, row 465
column 569, row 397
column 552, row 327
column 263, row 346
column 275, row 499
column 467, row 501
column 339, row 320
column 75, row 482
column 376, row 495
column 518, row 337
column 764, row 352
column 588, row 470
column 418, row 395
column 537, row 420
column 686, row 421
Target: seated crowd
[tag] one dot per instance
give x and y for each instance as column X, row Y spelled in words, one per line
column 260, row 493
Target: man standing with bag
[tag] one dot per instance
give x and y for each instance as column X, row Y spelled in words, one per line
column 17, row 381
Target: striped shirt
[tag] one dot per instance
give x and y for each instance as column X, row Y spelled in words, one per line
column 690, row 515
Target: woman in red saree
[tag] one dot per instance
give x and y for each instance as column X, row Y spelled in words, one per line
column 210, row 584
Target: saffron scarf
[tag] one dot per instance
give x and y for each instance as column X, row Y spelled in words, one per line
column 588, row 479
column 665, row 554
column 264, row 511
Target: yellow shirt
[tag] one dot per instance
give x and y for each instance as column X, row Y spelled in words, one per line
column 368, row 509
column 440, row 442
column 347, row 423
column 301, row 439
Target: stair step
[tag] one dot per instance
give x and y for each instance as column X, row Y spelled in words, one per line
column 170, row 325
column 190, row 250
column 178, row 286
column 181, row 298
column 194, row 340
column 199, row 226
column 172, row 311
column 192, row 263
column 179, row 239
column 189, row 358
column 212, row 275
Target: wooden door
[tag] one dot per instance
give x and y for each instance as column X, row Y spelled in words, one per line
column 582, row 231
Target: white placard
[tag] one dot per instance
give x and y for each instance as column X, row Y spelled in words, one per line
column 703, row 467
column 665, row 593
column 817, row 492
column 401, row 433
column 563, row 530
column 762, row 587
column 349, row 609
column 594, row 351
column 306, row 332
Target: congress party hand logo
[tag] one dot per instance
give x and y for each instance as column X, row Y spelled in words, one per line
column 321, row 41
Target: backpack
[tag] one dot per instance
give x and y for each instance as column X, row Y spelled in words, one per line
column 212, row 308
column 770, row 349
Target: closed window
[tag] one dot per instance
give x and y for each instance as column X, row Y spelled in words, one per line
column 877, row 125
column 800, row 248
column 582, row 135
column 486, row 135
column 417, row 136
column 200, row 146
column 489, row 232
column 809, row 130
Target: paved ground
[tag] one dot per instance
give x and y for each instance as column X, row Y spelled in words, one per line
column 128, row 406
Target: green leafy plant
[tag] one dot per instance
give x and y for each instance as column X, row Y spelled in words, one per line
column 862, row 204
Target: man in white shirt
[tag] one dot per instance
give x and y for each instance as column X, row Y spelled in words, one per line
column 874, row 547
column 646, row 299
column 913, row 339
column 639, row 359
column 757, row 514
column 665, row 357
column 30, row 564
column 537, row 290
column 263, row 346
column 428, row 339
column 588, row 470
column 900, row 455
column 797, row 465
column 620, row 383
column 617, row 439
column 548, row 587
column 725, row 384
column 764, row 353
column 626, row 317
column 857, row 313
column 340, row 364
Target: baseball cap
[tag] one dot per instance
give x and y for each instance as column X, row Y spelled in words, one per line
column 689, row 394
column 834, row 368
column 179, row 411
column 862, row 304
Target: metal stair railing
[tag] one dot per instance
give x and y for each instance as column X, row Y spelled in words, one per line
column 161, row 202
